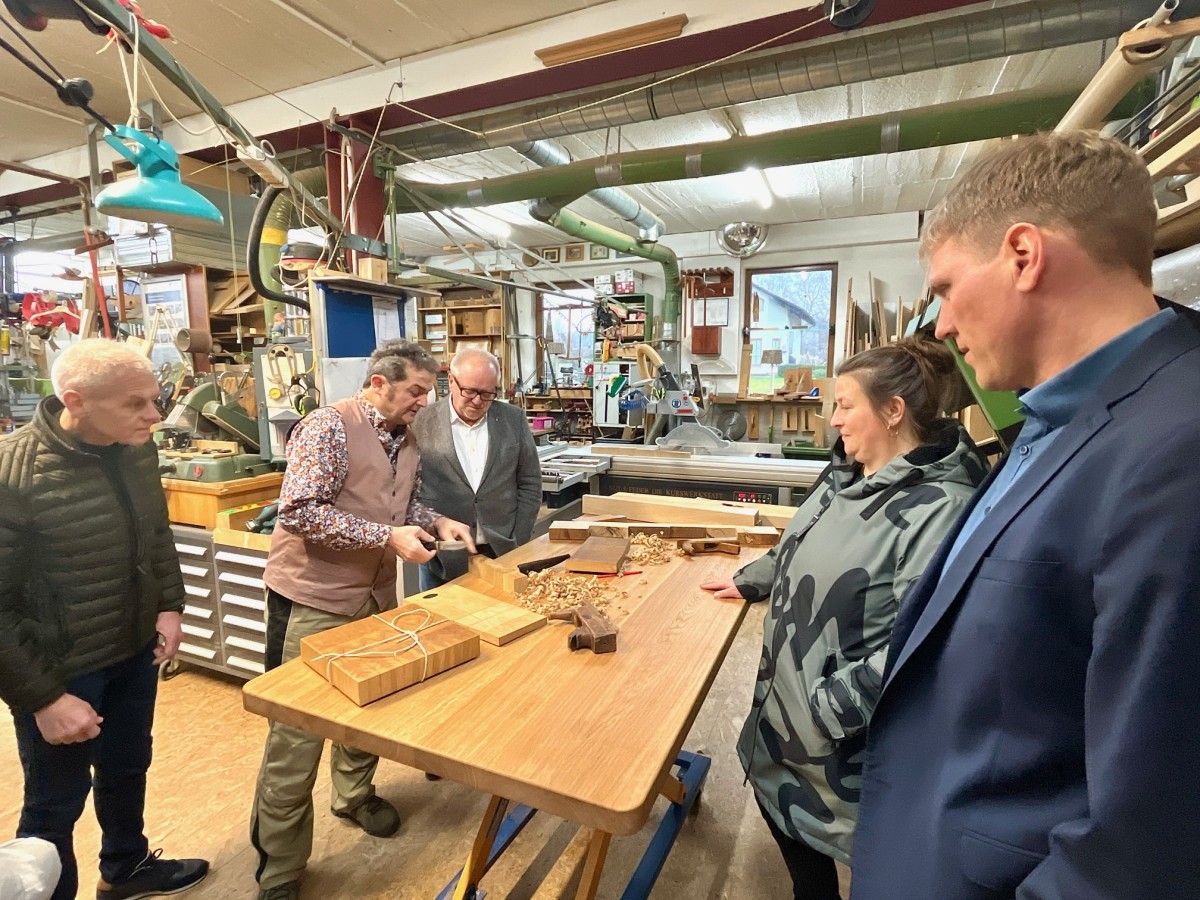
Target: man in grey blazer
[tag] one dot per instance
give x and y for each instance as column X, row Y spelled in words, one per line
column 479, row 464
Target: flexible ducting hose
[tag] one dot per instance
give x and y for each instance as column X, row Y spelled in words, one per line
column 273, row 216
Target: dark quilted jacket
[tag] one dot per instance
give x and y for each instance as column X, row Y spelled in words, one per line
column 87, row 559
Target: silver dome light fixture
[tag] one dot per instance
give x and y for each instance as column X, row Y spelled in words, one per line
column 742, row 239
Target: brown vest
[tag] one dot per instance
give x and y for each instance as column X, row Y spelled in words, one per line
column 341, row 581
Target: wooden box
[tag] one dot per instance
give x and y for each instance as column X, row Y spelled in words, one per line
column 197, row 503
column 706, row 340
column 380, row 659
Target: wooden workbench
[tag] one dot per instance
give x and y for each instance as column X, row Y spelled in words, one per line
column 589, row 738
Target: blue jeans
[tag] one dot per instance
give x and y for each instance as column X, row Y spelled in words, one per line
column 427, row 579
column 58, row 777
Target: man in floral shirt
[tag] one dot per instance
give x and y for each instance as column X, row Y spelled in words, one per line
column 347, row 510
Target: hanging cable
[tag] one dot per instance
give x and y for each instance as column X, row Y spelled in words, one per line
column 72, row 91
column 36, row 52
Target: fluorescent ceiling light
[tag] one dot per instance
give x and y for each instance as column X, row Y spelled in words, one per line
column 756, row 184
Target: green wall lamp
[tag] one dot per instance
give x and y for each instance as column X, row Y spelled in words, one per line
column 155, row 194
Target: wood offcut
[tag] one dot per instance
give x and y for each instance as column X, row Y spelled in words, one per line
column 599, row 556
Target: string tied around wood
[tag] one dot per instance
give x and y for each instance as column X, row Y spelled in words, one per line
column 411, row 637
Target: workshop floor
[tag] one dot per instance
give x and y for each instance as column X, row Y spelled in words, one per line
column 207, row 751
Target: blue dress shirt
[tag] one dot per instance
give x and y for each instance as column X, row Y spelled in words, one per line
column 1050, row 406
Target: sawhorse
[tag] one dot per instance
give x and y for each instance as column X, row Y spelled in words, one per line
column 501, row 827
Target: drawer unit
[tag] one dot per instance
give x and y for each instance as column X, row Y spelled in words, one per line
column 242, row 606
column 201, row 623
column 225, row 610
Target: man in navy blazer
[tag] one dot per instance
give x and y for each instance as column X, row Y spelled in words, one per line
column 1038, row 731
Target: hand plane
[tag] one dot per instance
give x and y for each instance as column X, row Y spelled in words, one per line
column 593, row 632
column 695, row 548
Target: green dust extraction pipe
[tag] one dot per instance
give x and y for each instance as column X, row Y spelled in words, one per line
column 932, row 126
column 578, row 227
column 275, row 214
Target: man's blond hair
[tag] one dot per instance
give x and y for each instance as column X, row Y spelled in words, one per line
column 1094, row 187
column 92, row 364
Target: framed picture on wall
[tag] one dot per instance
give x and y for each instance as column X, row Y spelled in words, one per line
column 574, row 253
column 550, row 254
column 598, row 252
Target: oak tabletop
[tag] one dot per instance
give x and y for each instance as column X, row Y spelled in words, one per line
column 582, row 736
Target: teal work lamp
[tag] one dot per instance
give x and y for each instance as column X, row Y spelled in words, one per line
column 156, row 194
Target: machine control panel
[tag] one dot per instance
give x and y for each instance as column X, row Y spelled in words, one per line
column 754, row 497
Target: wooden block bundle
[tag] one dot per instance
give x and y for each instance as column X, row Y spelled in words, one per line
column 371, row 658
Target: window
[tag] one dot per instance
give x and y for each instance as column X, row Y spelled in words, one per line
column 789, row 310
column 571, row 324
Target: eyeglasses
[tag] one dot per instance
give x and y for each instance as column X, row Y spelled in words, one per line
column 475, row 393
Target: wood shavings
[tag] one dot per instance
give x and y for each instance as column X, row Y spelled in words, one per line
column 550, row 591
column 649, row 550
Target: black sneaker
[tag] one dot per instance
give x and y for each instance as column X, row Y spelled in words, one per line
column 155, row 877
column 375, row 816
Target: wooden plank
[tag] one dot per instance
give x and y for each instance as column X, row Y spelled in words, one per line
column 371, row 658
column 761, row 536
column 660, row 29
column 674, row 510
column 576, row 531
column 744, row 370
column 752, row 423
column 496, row 621
column 599, row 556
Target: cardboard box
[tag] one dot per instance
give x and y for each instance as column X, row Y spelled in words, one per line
column 627, row 281
column 603, row 285
column 380, row 659
column 195, row 171
column 491, row 321
column 468, row 323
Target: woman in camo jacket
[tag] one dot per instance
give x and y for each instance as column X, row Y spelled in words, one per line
column 899, row 478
